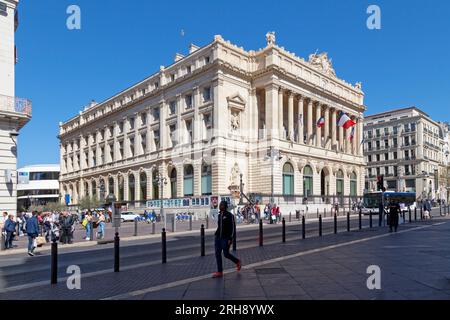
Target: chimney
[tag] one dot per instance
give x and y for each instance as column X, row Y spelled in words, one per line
column 193, row 48
column 178, row 57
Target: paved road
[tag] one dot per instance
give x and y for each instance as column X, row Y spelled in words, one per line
column 22, row 276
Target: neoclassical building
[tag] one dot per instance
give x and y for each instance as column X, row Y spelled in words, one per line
column 217, row 115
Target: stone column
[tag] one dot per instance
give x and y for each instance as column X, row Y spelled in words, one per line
column 280, row 114
column 347, row 140
column 291, row 117
column 341, row 139
column 326, row 133
column 272, row 125
column 318, row 130
column 310, row 122
column 300, row 120
column 333, row 128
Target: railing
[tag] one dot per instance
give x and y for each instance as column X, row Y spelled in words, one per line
column 14, row 104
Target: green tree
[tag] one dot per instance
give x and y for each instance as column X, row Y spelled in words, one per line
column 89, row 203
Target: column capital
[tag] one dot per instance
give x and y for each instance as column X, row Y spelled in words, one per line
column 291, row 94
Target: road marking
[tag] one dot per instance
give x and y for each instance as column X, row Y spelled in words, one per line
column 259, row 264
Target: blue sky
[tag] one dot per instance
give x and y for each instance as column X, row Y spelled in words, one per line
column 405, row 63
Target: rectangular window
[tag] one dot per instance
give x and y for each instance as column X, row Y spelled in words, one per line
column 172, row 77
column 189, row 131
column 188, row 69
column 121, row 149
column 395, row 129
column 111, row 152
column 386, row 156
column 378, row 158
column 155, row 112
column 172, row 107
column 131, row 147
column 395, row 171
column 156, row 138
column 144, row 142
column 370, row 134
column 395, row 155
column 120, row 127
column 395, row 142
column 206, row 94
column 369, row 158
column 143, row 119
column 172, row 133
column 131, row 122
column 188, row 101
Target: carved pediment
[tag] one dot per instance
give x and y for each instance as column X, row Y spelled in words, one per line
column 322, row 63
column 236, row 101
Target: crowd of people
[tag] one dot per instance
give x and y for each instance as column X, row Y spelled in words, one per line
column 252, row 213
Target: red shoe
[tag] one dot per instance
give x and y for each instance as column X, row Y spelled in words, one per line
column 217, row 275
column 238, row 266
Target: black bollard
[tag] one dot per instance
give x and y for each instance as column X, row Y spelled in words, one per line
column 290, row 217
column 360, row 219
column 173, row 224
column 440, row 209
column 207, row 222
column 163, row 245
column 320, row 225
column 421, row 213
column 370, row 219
column 260, row 233
column 54, row 263
column 303, row 227
column 348, row 221
column 335, row 223
column 116, row 252
column 135, row 227
column 415, row 214
column 409, row 214
column 190, row 222
column 324, row 212
column 284, row 231
column 153, row 227
column 202, row 241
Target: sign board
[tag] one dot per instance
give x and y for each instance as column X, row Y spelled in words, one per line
column 23, row 178
column 116, row 215
column 67, row 199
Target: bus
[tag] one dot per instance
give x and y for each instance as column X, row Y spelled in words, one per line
column 372, row 200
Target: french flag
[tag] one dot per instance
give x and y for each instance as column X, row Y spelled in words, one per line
column 321, row 122
column 345, row 121
column 352, row 134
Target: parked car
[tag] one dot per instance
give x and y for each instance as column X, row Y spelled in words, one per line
column 129, row 216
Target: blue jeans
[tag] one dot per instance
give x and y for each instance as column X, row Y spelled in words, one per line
column 30, row 243
column 88, row 230
column 222, row 245
column 101, row 229
column 9, row 239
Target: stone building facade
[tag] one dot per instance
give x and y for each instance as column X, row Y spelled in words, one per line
column 215, row 116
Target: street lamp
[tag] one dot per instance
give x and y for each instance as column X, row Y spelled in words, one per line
column 161, row 181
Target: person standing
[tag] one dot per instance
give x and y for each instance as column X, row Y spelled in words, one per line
column 66, row 226
column 394, row 211
column 10, row 229
column 32, row 230
column 224, row 238
column 101, row 226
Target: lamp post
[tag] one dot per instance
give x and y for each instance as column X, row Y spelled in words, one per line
column 161, row 181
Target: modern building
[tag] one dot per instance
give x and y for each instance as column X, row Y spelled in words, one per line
column 406, row 147
column 215, row 116
column 14, row 112
column 37, row 185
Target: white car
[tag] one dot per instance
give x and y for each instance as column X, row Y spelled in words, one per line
column 128, row 216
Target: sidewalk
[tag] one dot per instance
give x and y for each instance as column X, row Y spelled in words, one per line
column 331, row 267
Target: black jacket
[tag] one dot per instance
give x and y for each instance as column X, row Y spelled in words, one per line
column 225, row 226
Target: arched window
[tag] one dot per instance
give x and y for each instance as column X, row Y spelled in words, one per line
column 86, row 189
column 188, row 180
column 307, row 181
column 288, row 179
column 173, row 183
column 340, row 183
column 155, row 184
column 143, row 185
column 206, row 180
column 121, row 190
column 353, row 185
column 111, row 186
column 131, row 187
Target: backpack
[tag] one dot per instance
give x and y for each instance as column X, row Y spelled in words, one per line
column 84, row 222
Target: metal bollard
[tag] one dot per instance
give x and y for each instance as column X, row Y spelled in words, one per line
column 421, row 213
column 3, row 241
column 409, row 214
column 335, row 223
column 348, row 221
column 284, row 230
column 370, row 219
column 54, row 263
column 116, row 252
column 290, row 216
column 360, row 219
column 207, row 222
column 135, row 227
column 324, row 212
column 163, row 245
column 202, row 241
column 92, row 231
column 415, row 214
column 190, row 223
column 440, row 209
column 303, row 227
column 153, row 227
column 174, row 225
column 320, row 225
column 260, row 233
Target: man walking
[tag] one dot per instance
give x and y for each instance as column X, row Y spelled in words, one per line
column 224, row 238
column 10, row 229
column 394, row 210
column 32, row 230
